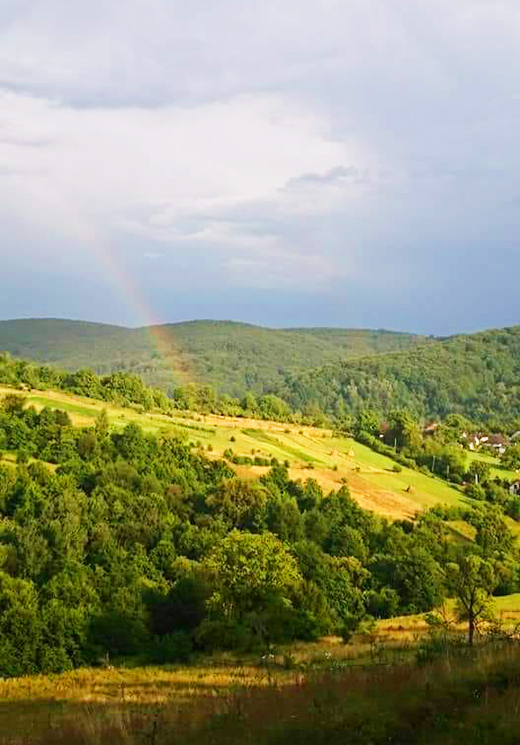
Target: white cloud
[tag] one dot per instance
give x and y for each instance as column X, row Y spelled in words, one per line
column 169, row 173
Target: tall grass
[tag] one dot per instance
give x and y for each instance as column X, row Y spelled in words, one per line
column 470, row 697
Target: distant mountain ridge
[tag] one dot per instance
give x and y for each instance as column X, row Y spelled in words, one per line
column 232, row 356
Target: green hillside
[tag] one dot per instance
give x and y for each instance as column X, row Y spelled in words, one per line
column 234, row 357
column 337, row 370
column 476, row 375
column 309, row 452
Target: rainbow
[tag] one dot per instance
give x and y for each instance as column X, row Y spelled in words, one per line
column 131, row 293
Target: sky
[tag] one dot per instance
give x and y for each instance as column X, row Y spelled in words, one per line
column 282, row 162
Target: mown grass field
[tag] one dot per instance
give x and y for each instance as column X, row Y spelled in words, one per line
column 310, row 452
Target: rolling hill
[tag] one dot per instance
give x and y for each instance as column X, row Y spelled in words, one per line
column 337, row 370
column 234, row 357
column 476, row 375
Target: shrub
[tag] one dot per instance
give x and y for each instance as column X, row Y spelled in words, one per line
column 222, row 634
column 22, row 456
column 174, row 647
column 475, row 491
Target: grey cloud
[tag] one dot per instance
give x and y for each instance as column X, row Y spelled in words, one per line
column 378, row 136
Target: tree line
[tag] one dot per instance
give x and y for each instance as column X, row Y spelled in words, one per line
column 128, row 389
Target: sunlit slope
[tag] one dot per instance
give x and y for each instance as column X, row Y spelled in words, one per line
column 310, row 453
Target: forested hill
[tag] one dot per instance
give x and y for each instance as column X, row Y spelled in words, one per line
column 477, row 375
column 233, row 357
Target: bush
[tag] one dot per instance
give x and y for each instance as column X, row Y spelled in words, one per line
column 174, row 647
column 54, row 660
column 222, row 634
column 475, row 491
column 22, row 456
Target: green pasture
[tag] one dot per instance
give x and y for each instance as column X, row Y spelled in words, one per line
column 497, row 470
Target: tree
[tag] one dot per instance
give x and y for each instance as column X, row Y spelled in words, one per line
column 241, row 503
column 366, row 422
column 493, row 535
column 479, row 471
column 453, row 427
column 102, row 424
column 511, row 458
column 471, row 580
column 20, row 626
column 249, row 569
column 404, row 431
column 13, row 404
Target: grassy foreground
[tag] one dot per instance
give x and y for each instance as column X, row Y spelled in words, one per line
column 299, row 691
column 460, row 697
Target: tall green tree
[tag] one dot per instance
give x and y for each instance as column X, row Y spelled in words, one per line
column 471, row 580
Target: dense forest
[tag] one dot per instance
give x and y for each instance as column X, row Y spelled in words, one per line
column 128, row 389
column 477, row 376
column 234, row 358
column 126, row 543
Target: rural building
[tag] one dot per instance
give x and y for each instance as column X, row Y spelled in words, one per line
column 514, row 488
column 474, row 440
column 497, row 442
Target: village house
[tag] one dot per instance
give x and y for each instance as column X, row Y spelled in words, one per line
column 496, row 442
column 474, row 440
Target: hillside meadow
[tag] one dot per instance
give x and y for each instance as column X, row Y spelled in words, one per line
column 310, row 452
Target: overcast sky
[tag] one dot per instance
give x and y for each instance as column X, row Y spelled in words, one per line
column 284, row 162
